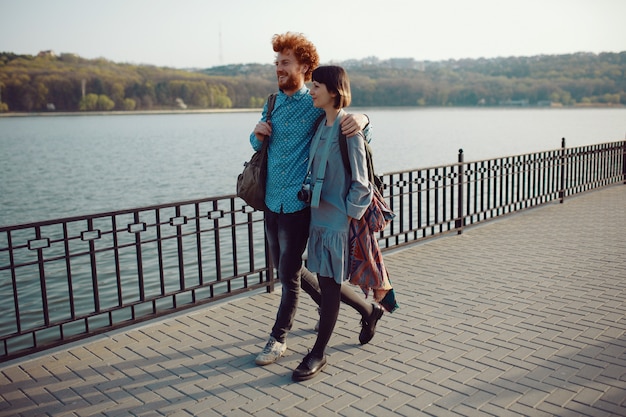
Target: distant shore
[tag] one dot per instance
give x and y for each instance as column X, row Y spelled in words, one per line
column 126, row 112
column 259, row 110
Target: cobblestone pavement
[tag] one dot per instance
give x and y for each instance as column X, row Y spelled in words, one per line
column 520, row 316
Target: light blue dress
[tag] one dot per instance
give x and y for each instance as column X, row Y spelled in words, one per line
column 341, row 196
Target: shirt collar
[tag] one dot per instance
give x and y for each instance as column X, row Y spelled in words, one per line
column 298, row 94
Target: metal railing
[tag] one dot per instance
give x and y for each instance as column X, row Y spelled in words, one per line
column 66, row 279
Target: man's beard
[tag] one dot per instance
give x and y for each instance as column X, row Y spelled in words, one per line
column 289, row 84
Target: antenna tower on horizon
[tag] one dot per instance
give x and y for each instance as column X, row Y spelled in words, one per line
column 221, row 55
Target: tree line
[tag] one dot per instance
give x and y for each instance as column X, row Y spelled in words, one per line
column 67, row 82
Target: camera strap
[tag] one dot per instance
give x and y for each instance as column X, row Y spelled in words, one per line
column 323, row 162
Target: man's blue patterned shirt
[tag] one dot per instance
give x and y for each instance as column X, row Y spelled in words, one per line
column 293, row 119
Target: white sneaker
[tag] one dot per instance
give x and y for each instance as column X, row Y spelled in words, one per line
column 271, row 352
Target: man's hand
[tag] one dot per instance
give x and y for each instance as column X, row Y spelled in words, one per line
column 351, row 124
column 262, row 130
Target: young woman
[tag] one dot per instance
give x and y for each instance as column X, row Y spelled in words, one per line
column 336, row 196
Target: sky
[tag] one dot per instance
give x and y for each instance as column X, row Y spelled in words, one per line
column 208, row 33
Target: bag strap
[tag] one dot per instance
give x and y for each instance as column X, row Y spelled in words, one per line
column 271, row 100
column 343, row 147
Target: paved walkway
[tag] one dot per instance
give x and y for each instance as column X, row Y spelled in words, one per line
column 520, row 316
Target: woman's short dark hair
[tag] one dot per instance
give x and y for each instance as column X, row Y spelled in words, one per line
column 336, row 80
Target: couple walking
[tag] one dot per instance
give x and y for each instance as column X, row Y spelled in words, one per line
column 311, row 212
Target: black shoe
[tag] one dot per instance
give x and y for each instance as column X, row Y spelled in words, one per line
column 368, row 327
column 309, row 367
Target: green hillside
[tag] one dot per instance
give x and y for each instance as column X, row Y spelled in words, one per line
column 66, row 82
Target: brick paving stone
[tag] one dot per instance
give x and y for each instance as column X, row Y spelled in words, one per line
column 493, row 410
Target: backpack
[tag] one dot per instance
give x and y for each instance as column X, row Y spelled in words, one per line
column 343, row 147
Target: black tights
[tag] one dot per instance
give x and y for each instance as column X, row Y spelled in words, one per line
column 329, row 311
column 311, row 286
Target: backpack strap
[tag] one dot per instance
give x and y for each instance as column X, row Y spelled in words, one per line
column 343, row 147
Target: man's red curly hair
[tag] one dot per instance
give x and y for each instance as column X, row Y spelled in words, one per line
column 303, row 49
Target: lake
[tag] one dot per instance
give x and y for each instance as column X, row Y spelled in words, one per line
column 53, row 167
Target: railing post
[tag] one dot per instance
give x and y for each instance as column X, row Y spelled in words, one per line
column 458, row 224
column 563, row 172
column 624, row 161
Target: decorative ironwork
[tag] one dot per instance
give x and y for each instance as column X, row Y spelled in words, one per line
column 65, row 279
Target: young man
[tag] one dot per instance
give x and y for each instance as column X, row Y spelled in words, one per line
column 287, row 218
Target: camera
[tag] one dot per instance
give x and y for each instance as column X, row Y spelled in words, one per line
column 305, row 193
